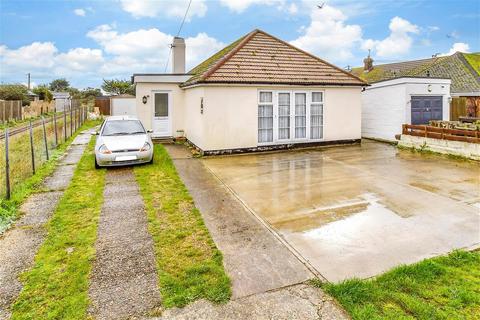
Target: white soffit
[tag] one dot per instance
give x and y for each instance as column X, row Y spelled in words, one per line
column 161, row 78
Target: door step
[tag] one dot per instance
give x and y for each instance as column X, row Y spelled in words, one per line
column 163, row 140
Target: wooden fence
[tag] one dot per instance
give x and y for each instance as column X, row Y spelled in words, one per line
column 463, row 107
column 103, row 105
column 472, row 136
column 37, row 108
column 10, row 110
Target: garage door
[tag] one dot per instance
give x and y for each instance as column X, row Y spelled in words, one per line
column 425, row 109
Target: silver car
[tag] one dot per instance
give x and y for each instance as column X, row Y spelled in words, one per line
column 122, row 140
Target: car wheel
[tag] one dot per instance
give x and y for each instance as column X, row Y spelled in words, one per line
column 96, row 164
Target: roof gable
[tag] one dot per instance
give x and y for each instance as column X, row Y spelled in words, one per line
column 259, row 58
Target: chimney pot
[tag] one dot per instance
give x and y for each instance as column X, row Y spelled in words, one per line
column 178, row 48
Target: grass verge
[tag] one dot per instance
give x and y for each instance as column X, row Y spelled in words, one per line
column 188, row 263
column 445, row 287
column 57, row 286
column 9, row 208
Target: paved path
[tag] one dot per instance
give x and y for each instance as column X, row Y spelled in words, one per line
column 299, row 302
column 267, row 278
column 123, row 283
column 254, row 259
column 19, row 245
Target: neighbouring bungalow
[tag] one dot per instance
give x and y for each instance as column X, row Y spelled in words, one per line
column 258, row 93
column 62, row 100
column 415, row 92
column 32, row 96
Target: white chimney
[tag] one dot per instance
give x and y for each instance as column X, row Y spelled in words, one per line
column 178, row 48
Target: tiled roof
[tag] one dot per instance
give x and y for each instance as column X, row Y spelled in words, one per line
column 461, row 68
column 259, row 58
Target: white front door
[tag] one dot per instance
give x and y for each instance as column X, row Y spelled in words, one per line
column 162, row 109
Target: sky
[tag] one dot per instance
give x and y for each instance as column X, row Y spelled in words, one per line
column 87, row 41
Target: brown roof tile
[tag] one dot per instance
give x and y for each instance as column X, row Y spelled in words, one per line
column 261, row 58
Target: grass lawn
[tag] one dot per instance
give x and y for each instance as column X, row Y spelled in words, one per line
column 22, row 189
column 57, row 286
column 439, row 288
column 188, row 262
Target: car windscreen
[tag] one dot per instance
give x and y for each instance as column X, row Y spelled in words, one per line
column 122, row 127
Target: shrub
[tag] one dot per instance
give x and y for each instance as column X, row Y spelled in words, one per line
column 14, row 92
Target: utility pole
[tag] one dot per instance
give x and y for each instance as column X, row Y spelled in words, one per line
column 28, row 80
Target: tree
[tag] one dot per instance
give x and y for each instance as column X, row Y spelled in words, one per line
column 90, row 93
column 59, row 85
column 74, row 92
column 14, row 92
column 43, row 92
column 117, row 86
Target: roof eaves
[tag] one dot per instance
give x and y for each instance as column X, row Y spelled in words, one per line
column 283, row 83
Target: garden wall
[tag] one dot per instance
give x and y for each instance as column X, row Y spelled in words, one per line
column 457, row 148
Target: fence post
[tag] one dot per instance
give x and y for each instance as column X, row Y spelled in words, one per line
column 55, row 128
column 71, row 121
column 4, row 105
column 32, row 152
column 19, row 108
column 7, row 165
column 65, row 124
column 45, row 138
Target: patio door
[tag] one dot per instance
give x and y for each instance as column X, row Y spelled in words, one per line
column 162, row 122
column 290, row 116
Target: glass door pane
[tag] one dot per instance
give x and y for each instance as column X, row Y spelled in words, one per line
column 316, row 121
column 161, row 104
column 283, row 116
column 300, row 115
column 265, row 123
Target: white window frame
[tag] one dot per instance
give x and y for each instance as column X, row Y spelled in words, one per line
column 322, row 103
column 273, row 115
column 307, row 115
column 276, row 116
column 274, row 103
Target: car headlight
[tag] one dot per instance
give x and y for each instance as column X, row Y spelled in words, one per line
column 146, row 147
column 103, row 149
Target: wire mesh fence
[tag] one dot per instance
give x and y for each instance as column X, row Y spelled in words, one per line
column 32, row 144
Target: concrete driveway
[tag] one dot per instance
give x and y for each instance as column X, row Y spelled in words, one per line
column 357, row 211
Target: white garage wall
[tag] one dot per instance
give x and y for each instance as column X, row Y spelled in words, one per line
column 383, row 111
column 386, row 105
column 123, row 106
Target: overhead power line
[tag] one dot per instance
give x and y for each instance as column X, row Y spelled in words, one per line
column 178, row 33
